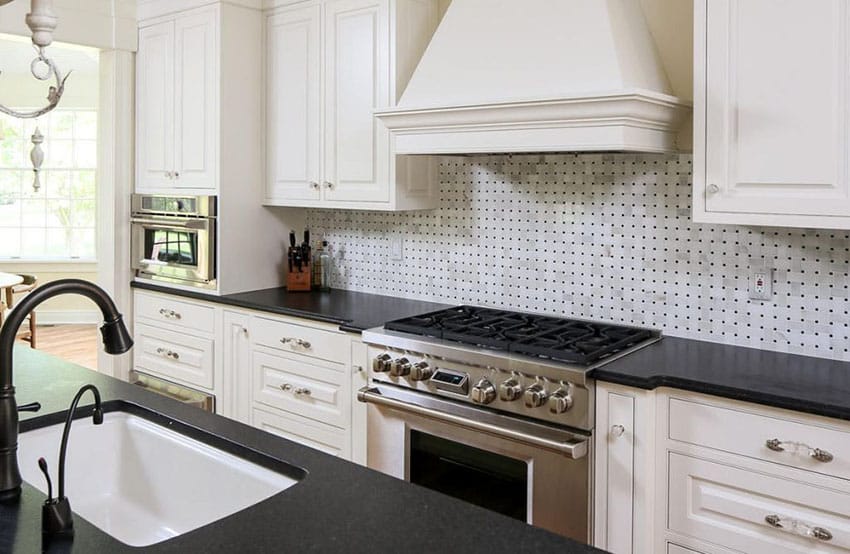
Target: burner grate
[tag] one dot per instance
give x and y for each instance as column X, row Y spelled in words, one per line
column 559, row 339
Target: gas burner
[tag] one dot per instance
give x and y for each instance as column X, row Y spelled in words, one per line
column 558, row 339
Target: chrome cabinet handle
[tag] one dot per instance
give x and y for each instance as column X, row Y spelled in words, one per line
column 176, row 174
column 170, row 314
column 297, row 391
column 296, row 342
column 798, row 527
column 165, row 353
column 618, row 430
column 713, row 188
column 169, row 175
column 314, row 185
column 815, row 453
column 329, row 185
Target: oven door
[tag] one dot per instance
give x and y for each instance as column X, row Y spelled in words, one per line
column 531, row 472
column 178, row 249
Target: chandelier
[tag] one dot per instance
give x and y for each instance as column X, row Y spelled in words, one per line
column 42, row 22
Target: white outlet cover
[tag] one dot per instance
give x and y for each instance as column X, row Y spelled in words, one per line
column 397, row 249
column 761, row 283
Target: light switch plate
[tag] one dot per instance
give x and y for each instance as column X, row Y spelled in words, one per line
column 397, row 249
column 761, row 283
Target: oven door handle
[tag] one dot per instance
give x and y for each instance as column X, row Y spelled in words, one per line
column 569, row 444
column 197, row 225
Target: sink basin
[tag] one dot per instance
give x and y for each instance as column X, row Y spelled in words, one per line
column 144, row 483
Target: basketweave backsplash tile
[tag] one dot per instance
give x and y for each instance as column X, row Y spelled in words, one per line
column 599, row 236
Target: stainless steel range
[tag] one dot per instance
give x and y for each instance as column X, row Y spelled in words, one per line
column 493, row 407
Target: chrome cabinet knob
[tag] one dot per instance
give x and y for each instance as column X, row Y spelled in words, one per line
column 329, row 185
column 421, row 371
column 618, row 430
column 381, row 364
column 483, row 392
column 510, row 390
column 314, row 185
column 400, row 367
column 713, row 188
column 535, row 396
column 560, row 401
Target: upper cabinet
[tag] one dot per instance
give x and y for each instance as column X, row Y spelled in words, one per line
column 770, row 114
column 329, row 66
column 177, row 103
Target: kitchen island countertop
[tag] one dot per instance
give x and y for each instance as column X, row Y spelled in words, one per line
column 338, row 507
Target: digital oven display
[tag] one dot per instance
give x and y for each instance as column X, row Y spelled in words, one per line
column 451, row 381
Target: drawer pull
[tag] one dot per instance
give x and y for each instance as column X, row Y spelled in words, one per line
column 170, row 314
column 798, row 528
column 296, row 342
column 815, row 453
column 168, row 353
column 297, row 391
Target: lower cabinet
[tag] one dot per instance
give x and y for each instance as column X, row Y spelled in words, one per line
column 291, row 377
column 687, row 473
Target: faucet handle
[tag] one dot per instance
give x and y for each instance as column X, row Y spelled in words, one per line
column 31, row 407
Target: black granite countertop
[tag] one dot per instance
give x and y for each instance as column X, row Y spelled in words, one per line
column 353, row 311
column 802, row 383
column 338, row 507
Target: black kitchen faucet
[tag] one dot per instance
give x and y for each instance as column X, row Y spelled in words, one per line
column 116, row 340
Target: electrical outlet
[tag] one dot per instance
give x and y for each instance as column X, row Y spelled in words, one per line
column 761, row 283
column 397, row 249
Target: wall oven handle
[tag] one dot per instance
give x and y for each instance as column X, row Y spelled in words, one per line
column 176, row 223
column 563, row 442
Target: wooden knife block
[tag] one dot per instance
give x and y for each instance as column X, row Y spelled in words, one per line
column 298, row 281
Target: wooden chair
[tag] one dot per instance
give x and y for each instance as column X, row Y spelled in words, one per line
column 27, row 332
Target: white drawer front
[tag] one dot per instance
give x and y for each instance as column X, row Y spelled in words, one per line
column 304, row 341
column 676, row 549
column 166, row 309
column 747, row 434
column 303, row 431
column 174, row 356
column 301, row 388
column 729, row 506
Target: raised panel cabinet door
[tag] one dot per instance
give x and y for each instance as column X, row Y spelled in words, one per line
column 236, row 354
column 357, row 53
column 620, row 473
column 196, row 97
column 155, row 107
column 293, row 131
column 776, row 107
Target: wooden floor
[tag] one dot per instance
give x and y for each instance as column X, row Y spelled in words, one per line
column 76, row 343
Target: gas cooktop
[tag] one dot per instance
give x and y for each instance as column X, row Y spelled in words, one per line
column 559, row 339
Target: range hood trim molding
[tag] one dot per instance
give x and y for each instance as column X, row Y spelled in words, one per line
column 635, row 120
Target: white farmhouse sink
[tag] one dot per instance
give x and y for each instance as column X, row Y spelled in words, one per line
column 144, row 483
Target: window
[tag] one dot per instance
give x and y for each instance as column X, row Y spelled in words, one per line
column 57, row 222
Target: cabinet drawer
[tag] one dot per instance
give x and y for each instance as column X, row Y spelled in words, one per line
column 743, row 510
column 301, row 388
column 676, row 549
column 747, row 434
column 303, row 431
column 165, row 309
column 302, row 340
column 182, row 357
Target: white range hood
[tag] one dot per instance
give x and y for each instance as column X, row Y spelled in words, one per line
column 502, row 76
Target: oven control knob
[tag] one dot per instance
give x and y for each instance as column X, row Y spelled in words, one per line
column 381, row 364
column 400, row 367
column 560, row 401
column 421, row 371
column 483, row 392
column 535, row 396
column 510, row 390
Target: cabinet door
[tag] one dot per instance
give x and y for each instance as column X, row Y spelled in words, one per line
column 293, row 132
column 776, row 117
column 357, row 82
column 619, row 473
column 236, row 402
column 196, row 95
column 155, row 107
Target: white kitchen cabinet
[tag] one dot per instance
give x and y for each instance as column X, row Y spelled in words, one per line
column 236, row 356
column 622, row 479
column 770, row 115
column 176, row 104
column 330, row 65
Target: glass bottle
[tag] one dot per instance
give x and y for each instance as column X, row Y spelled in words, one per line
column 326, row 263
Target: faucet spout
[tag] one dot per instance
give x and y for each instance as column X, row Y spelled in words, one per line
column 116, row 340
